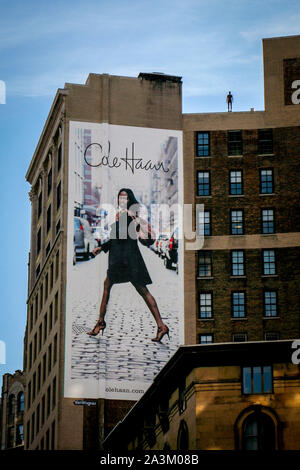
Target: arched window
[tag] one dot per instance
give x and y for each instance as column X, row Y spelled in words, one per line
column 20, row 402
column 10, row 404
column 258, row 432
column 183, row 437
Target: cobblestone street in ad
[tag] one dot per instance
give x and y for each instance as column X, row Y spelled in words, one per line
column 125, row 351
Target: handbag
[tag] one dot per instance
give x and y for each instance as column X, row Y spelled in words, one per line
column 148, row 240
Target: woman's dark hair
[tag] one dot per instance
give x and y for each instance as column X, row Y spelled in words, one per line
column 131, row 197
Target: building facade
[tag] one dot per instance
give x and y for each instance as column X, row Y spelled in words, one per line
column 243, row 168
column 52, row 421
column 12, row 411
column 226, row 396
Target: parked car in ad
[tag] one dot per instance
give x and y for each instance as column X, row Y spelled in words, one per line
column 101, row 235
column 171, row 251
column 163, row 237
column 84, row 240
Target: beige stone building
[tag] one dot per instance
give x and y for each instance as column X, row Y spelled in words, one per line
column 241, row 286
column 230, row 396
column 12, row 411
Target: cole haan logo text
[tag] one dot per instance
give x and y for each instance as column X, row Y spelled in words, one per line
column 131, row 162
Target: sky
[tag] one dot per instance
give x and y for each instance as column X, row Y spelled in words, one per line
column 214, row 45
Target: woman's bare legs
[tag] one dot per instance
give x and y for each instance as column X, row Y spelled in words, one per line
column 162, row 329
column 100, row 325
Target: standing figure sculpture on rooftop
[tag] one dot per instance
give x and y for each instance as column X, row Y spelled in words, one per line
column 229, row 100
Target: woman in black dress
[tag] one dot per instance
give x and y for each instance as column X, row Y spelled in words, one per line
column 125, row 260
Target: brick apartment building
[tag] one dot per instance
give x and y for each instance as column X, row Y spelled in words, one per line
column 244, row 168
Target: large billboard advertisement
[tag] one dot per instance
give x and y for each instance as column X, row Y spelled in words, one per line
column 124, row 292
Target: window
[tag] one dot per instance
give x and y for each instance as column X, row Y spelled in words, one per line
column 45, row 326
column 50, row 316
column 237, row 222
column 33, row 386
column 32, row 426
column 204, row 225
column 238, row 304
column 239, row 337
column 49, row 358
column 46, row 286
column 205, row 305
column 270, row 303
column 204, row 264
column 40, row 204
column 48, row 400
column 181, row 395
column 58, row 195
column 269, row 262
column 31, row 317
column 183, row 437
column 10, row 437
column 56, row 307
column 236, row 182
column 59, row 157
column 39, row 241
column 51, row 276
column 29, row 396
column 265, row 141
column 258, row 432
column 57, row 228
column 11, row 404
column 237, row 263
column 34, row 347
column 266, row 181
column 55, row 349
column 49, row 181
column 28, row 434
column 20, row 434
column 40, row 336
column 48, row 249
column 267, row 220
column 39, row 378
column 38, row 418
column 235, row 143
column 53, row 435
column 43, row 410
column 20, row 402
column 36, row 306
column 44, row 367
column 30, row 355
column 37, row 271
column 205, row 339
column 47, row 439
column 48, row 218
column 203, row 144
column 56, row 265
column 257, row 379
column 54, row 393
column 272, row 336
column 41, row 297
column 203, row 183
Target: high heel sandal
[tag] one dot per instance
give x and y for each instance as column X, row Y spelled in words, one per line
column 161, row 332
column 100, row 326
